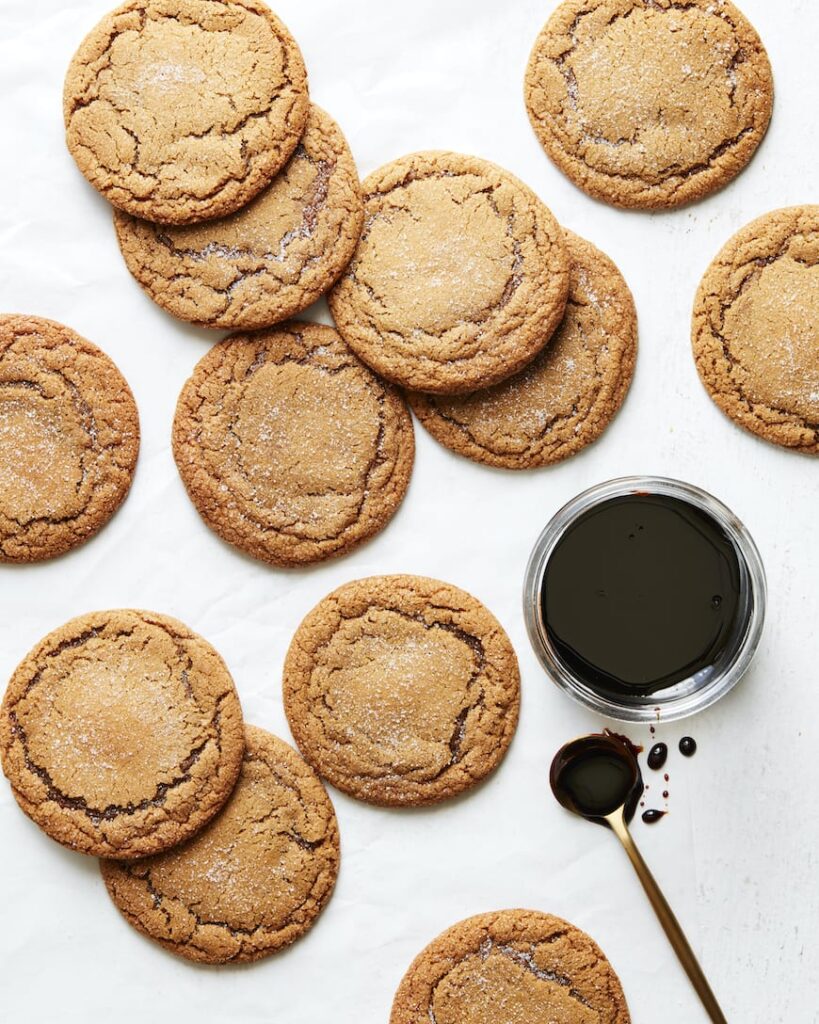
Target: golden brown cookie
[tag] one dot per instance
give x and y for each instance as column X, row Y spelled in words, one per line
column 401, row 690
column 515, row 967
column 121, row 733
column 182, row 110
column 69, row 439
column 290, row 448
column 265, row 262
column 756, row 328
column 460, row 276
column 564, row 399
column 649, row 104
column 251, row 882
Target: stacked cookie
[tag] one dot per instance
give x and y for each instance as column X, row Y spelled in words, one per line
column 237, row 202
column 122, row 736
column 238, row 205
column 514, row 339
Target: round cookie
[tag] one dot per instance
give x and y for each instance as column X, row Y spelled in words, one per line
column 289, row 447
column 755, row 328
column 121, row 733
column 69, row 439
column 254, row 880
column 182, row 110
column 518, row 966
column 460, row 276
column 401, row 690
column 566, row 397
column 649, row 104
column 268, row 261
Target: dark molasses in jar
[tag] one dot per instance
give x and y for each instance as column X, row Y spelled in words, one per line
column 641, row 592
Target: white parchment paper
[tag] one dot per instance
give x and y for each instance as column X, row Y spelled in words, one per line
column 737, row 855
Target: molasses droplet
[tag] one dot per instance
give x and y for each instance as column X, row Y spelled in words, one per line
column 657, row 756
column 688, row 746
column 651, row 817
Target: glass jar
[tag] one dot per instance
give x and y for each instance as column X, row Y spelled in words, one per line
column 689, row 695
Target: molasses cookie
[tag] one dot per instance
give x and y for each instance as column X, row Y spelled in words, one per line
column 290, row 448
column 567, row 396
column 265, row 262
column 121, row 733
column 251, row 882
column 649, row 103
column 401, row 690
column 515, row 966
column 182, row 110
column 756, row 328
column 460, row 276
column 69, row 439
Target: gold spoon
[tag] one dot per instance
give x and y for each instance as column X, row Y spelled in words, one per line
column 598, row 777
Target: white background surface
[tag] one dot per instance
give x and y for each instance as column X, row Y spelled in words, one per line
column 738, row 853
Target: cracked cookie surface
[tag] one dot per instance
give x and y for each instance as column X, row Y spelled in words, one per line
column 121, row 733
column 755, row 328
column 518, row 966
column 183, row 110
column 567, row 396
column 290, row 448
column 401, row 690
column 460, row 276
column 254, row 880
column 649, row 104
column 69, row 439
column 268, row 261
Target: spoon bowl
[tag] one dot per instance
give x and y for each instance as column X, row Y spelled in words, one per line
column 595, row 775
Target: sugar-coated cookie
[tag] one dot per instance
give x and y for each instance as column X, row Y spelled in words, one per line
column 182, row 110
column 515, row 966
column 254, row 879
column 121, row 733
column 567, row 396
column 401, row 690
column 69, row 439
column 756, row 328
column 649, row 104
column 460, row 276
column 289, row 446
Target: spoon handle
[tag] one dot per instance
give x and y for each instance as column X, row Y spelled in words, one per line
column 666, row 917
